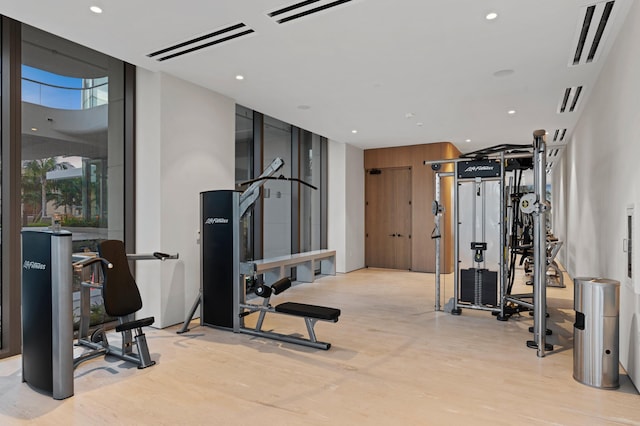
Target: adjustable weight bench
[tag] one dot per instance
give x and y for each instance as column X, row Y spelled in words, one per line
column 310, row 313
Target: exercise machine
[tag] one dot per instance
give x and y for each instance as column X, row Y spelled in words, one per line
column 482, row 277
column 223, row 292
column 108, row 271
column 220, row 215
column 47, row 304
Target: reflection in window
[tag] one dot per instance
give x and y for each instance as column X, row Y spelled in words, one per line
column 277, row 194
column 72, row 142
column 244, row 172
column 292, row 217
column 310, row 216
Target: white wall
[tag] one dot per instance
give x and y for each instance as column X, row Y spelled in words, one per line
column 185, row 144
column 599, row 178
column 346, row 206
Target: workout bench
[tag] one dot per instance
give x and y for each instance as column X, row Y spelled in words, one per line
column 310, row 313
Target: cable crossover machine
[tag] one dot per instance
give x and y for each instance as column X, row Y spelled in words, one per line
column 488, row 232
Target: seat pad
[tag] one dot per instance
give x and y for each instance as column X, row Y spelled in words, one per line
column 144, row 322
column 311, row 311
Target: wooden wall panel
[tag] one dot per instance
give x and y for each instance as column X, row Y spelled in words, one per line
column 422, row 192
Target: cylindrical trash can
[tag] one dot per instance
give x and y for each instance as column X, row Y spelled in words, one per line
column 595, row 332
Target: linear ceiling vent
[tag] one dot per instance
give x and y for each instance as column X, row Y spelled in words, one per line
column 553, row 153
column 216, row 37
column 591, row 32
column 559, row 135
column 570, row 99
column 303, row 9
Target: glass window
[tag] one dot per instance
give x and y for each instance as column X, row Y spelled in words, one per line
column 277, row 194
column 72, row 142
column 291, row 217
column 310, row 170
column 244, row 168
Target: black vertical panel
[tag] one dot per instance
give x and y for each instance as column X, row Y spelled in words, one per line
column 216, row 245
column 324, row 183
column 129, row 159
column 37, row 358
column 11, row 138
column 258, row 160
column 295, row 190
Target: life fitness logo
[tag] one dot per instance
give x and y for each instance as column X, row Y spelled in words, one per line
column 478, row 169
column 29, row 264
column 215, row 220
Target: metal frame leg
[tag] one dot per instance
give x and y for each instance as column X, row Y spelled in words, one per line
column 192, row 312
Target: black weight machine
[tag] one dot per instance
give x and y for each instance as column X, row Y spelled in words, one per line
column 47, row 304
column 222, row 297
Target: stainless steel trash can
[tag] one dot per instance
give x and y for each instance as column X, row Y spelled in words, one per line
column 595, row 332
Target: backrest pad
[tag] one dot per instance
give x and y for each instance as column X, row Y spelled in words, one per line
column 119, row 291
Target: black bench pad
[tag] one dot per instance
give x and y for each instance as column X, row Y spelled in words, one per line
column 311, row 311
column 144, row 322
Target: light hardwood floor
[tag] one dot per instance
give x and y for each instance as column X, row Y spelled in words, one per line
column 394, row 361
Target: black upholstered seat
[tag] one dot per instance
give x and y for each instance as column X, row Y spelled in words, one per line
column 310, row 311
column 122, row 297
column 144, row 322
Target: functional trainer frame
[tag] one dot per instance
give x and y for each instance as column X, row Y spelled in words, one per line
column 540, row 208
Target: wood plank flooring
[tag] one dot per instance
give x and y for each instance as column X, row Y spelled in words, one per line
column 394, row 361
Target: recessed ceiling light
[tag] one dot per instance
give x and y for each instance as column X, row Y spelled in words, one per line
column 511, row 111
column 491, row 16
column 96, row 9
column 354, row 131
column 409, row 115
column 239, row 77
column 419, row 124
column 467, row 140
column 34, row 129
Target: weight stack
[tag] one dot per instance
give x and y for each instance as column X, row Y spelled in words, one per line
column 479, row 286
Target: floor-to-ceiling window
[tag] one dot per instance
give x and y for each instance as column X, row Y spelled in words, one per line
column 244, row 173
column 67, row 144
column 277, row 194
column 290, row 217
column 310, row 205
column 72, row 142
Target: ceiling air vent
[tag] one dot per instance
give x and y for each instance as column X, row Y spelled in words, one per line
column 558, row 135
column 591, row 32
column 216, row 37
column 553, row 153
column 302, row 9
column 570, row 99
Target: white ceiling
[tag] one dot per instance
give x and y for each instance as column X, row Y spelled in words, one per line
column 362, row 65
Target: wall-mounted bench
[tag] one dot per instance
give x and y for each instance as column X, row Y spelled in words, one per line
column 275, row 268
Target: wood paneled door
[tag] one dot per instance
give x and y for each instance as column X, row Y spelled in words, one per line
column 388, row 218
